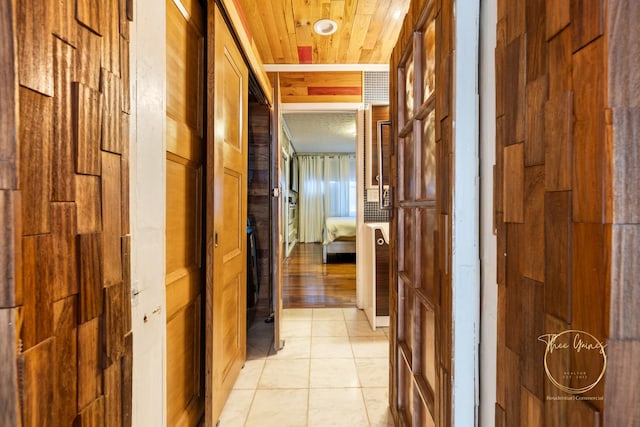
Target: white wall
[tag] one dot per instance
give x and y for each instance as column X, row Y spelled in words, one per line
column 465, row 278
column 489, row 292
column 147, row 198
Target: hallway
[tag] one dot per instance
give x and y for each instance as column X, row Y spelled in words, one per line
column 333, row 370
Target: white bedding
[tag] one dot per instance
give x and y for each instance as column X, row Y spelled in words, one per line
column 340, row 226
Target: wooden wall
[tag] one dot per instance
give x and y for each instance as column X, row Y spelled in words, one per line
column 65, row 340
column 321, row 86
column 552, row 204
column 260, row 197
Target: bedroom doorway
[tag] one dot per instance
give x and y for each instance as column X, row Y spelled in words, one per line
column 322, row 180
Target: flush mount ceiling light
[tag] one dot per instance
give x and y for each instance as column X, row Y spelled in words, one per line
column 325, row 27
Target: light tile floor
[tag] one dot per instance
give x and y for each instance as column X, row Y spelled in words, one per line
column 332, row 371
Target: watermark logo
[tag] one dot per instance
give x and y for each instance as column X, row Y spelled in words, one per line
column 588, row 360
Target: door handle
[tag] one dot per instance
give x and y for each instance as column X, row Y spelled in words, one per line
column 215, row 239
column 385, row 196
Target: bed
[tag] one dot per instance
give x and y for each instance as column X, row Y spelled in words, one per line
column 339, row 236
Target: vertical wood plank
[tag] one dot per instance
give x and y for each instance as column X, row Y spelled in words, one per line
column 88, row 204
column 111, row 36
column 114, row 323
column 65, row 372
column 513, row 184
column 622, row 384
column 622, row 53
column 88, row 58
column 93, row 415
column 555, row 411
column 90, row 265
column 557, row 233
column 625, row 269
column 532, row 250
column 583, row 414
column 124, row 179
column 126, row 281
column 35, row 160
column 35, row 45
column 501, row 344
column 125, row 75
column 64, row 21
column 514, row 90
column 127, row 381
column 88, row 13
column 38, row 385
column 626, row 161
column 560, row 63
column 558, row 16
column 558, row 123
column 513, row 389
column 531, row 349
column 113, row 395
column 110, row 88
column 536, row 61
column 536, row 91
column 513, row 284
column 111, row 220
column 532, row 409
column 587, row 22
column 89, row 363
column 10, row 250
column 516, row 19
column 37, row 273
column 589, row 134
column 9, row 405
column 500, row 53
column 9, row 96
column 87, row 116
column 62, row 188
column 65, row 269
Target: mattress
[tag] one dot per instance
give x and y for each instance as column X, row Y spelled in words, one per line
column 341, row 228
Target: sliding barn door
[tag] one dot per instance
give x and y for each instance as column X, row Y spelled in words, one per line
column 227, row 237
column 185, row 159
column 421, row 299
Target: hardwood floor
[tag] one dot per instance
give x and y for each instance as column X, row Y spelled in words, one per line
column 307, row 282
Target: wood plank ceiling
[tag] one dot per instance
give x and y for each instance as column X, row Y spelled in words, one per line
column 282, row 30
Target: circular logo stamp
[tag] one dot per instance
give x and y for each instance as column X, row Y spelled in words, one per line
column 574, row 361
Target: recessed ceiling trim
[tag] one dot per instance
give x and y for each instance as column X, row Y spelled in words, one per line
column 274, row 68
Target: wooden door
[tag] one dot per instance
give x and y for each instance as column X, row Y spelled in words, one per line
column 185, row 157
column 277, row 212
column 228, row 136
column 421, row 297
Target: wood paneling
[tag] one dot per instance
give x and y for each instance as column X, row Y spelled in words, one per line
column 553, row 166
column 345, row 86
column 55, row 233
column 367, row 30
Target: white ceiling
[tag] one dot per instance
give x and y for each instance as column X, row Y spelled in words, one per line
column 322, row 132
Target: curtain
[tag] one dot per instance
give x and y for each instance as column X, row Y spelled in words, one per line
column 327, row 188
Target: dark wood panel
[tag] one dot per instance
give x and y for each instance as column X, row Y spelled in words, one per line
column 37, row 313
column 513, row 286
column 87, row 115
column 125, row 175
column 127, row 381
column 8, row 94
column 36, row 116
column 532, row 409
column 62, row 188
column 125, row 75
column 64, row 319
column 587, row 21
column 531, row 349
column 536, row 61
column 555, row 411
column 534, row 144
column 558, row 16
column 9, row 404
column 88, row 204
column 35, row 45
column 114, row 322
column 557, row 223
column 88, row 58
column 500, row 52
column 558, row 124
column 516, row 19
column 583, row 414
column 559, row 61
column 514, row 90
column 111, row 219
column 90, row 275
column 111, row 35
column 513, row 389
column 90, row 374
column 93, row 415
column 126, row 282
column 65, row 270
column 532, row 262
column 501, row 375
column 513, row 184
column 112, row 395
column 39, row 384
column 588, row 137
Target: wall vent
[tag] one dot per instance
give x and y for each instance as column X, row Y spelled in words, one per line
column 376, row 87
